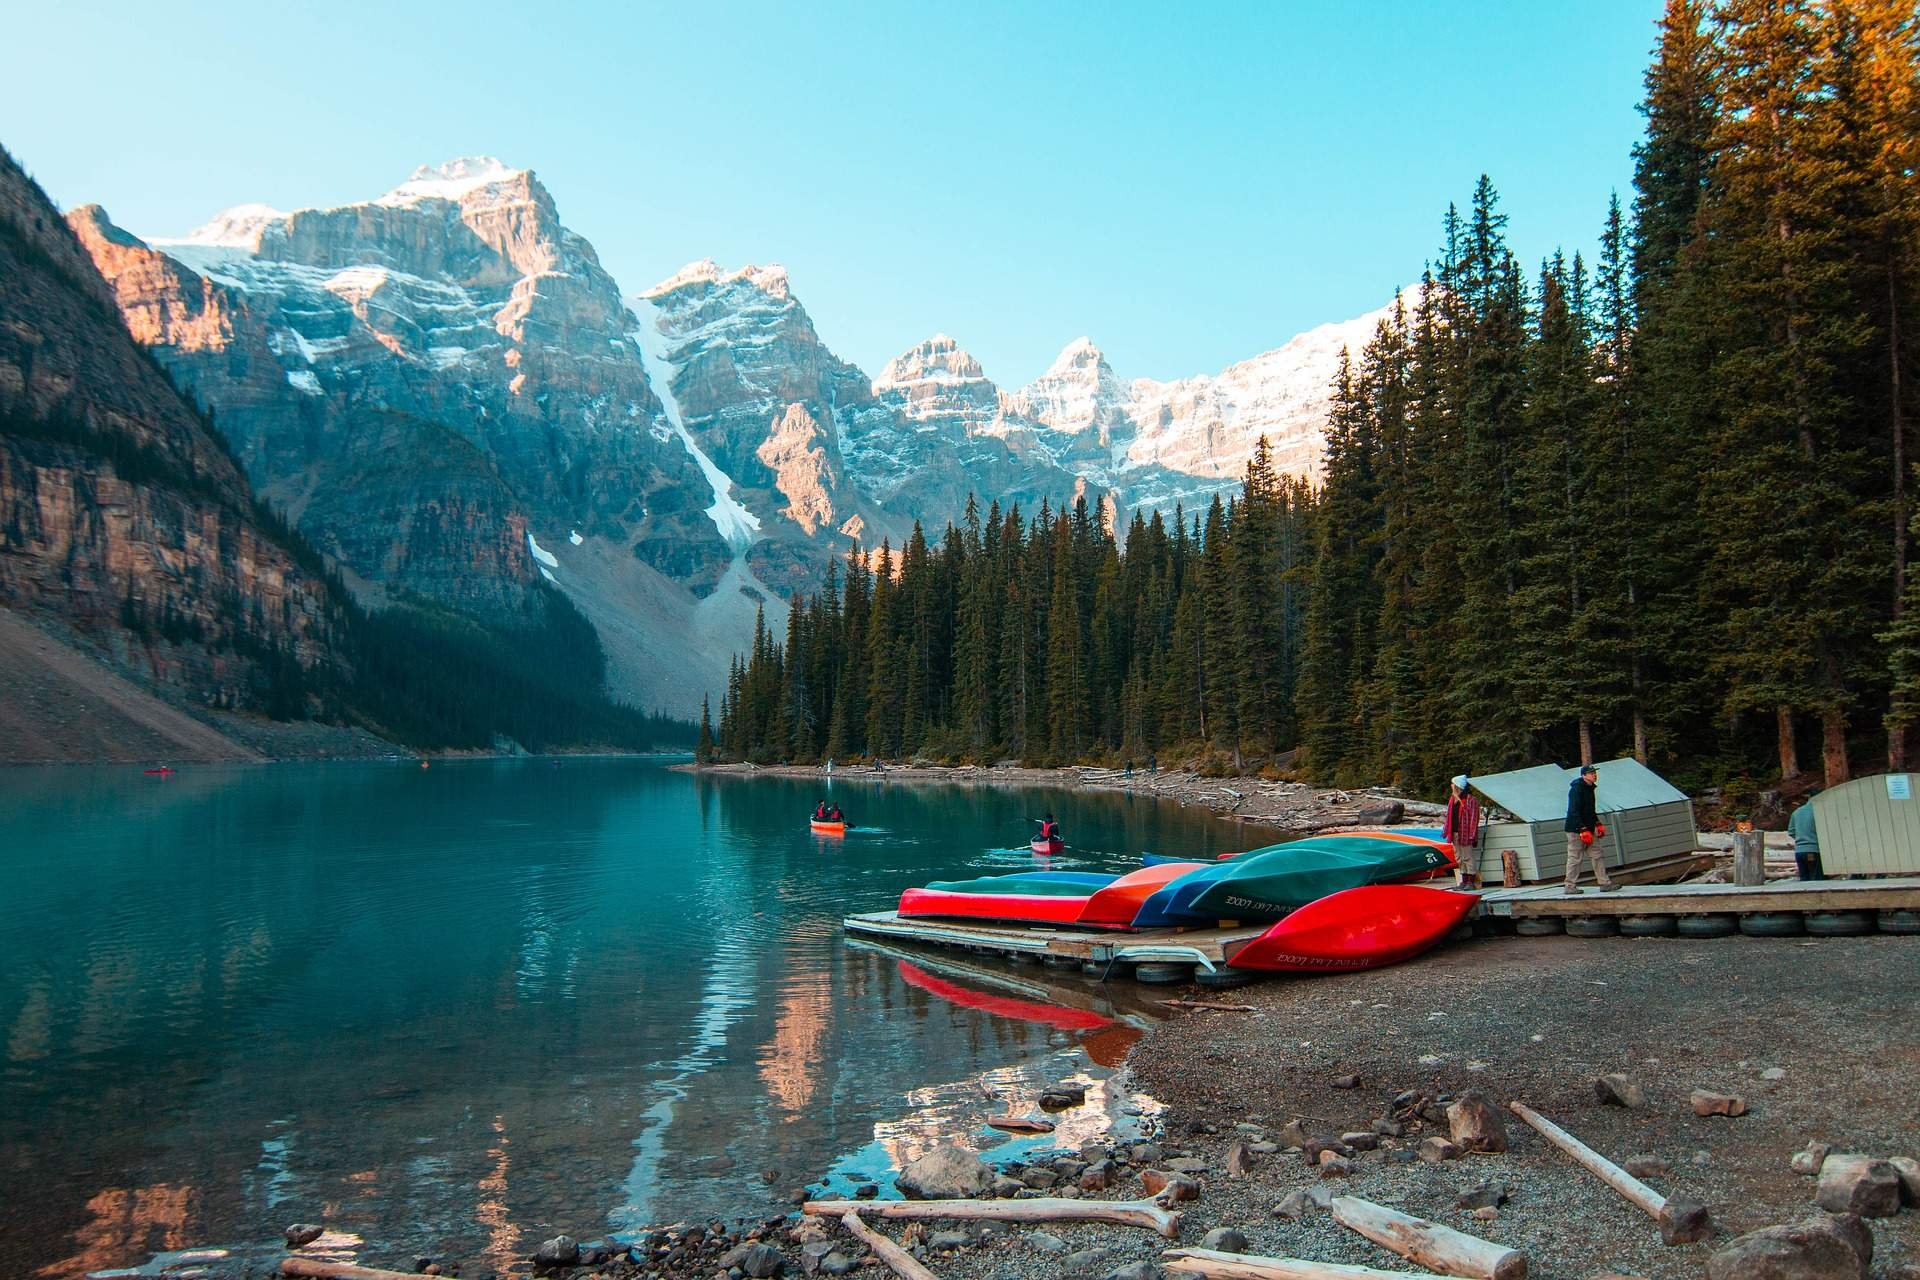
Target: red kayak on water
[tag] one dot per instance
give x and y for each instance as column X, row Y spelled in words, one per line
column 162, row 772
column 1362, row 928
column 1049, row 846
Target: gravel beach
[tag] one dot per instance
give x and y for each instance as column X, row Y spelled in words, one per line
column 1818, row 1037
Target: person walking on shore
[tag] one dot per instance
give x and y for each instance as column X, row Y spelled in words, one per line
column 1806, row 840
column 1583, row 830
column 1463, row 833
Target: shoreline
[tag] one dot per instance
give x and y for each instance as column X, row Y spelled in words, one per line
column 1294, row 808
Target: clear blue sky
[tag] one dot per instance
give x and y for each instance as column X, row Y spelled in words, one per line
column 1188, row 185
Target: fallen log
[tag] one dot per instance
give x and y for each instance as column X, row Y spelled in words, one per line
column 1681, row 1221
column 1208, row 1004
column 1436, row 1247
column 1149, row 1214
column 904, row 1264
column 1250, row 1266
column 323, row 1269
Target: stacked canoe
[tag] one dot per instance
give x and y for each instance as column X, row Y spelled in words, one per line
column 1343, row 900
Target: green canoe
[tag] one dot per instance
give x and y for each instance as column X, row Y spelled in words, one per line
column 1268, row 883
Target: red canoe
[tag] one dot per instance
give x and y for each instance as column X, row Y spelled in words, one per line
column 1363, row 928
column 827, row 828
column 1048, row 846
column 1116, row 905
column 161, row 772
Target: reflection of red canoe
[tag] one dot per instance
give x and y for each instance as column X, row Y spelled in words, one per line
column 1363, row 928
column 1048, row 846
column 1002, row 1006
column 1118, row 903
column 827, row 828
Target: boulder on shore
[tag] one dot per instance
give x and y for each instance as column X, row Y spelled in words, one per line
column 1828, row 1247
column 301, row 1234
column 947, row 1172
column 1858, row 1184
column 1617, row 1089
column 1476, row 1123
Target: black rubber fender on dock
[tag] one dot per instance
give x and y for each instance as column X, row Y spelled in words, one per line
column 1899, row 920
column 1839, row 924
column 1592, row 926
column 1714, row 924
column 1223, row 979
column 1538, row 926
column 1648, row 926
column 1772, row 924
column 1152, row 971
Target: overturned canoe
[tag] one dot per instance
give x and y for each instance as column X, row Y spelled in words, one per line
column 1391, row 835
column 1361, row 928
column 1116, row 905
column 1266, row 884
column 1027, row 897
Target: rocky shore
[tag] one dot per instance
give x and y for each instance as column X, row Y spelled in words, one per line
column 1290, row 807
column 1740, row 1074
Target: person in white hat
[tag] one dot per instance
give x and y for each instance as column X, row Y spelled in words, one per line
column 1463, row 833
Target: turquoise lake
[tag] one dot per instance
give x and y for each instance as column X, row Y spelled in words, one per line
column 454, row 1011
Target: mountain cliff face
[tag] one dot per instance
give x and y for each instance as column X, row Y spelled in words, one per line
column 123, row 519
column 447, row 393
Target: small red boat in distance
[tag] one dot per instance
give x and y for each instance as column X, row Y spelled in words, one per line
column 1363, row 928
column 164, row 771
column 1048, row 847
column 827, row 828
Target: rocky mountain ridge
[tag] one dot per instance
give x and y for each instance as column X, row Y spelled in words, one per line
column 446, row 391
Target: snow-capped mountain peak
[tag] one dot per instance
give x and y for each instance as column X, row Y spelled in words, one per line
column 938, row 359
column 450, row 181
column 235, row 228
column 1078, row 354
column 770, row 279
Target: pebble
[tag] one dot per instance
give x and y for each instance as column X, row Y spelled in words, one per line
column 1434, row 1150
column 1346, row 1082
column 1809, row 1160
column 1707, row 1103
column 1045, row 1242
column 561, row 1251
column 1647, row 1166
column 1619, row 1090
column 1083, row 1264
column 1333, row 1166
column 1361, row 1141
column 303, row 1233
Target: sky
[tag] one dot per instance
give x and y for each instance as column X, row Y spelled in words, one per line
column 1188, row 185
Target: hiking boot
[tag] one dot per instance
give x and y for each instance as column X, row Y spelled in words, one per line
column 1610, row 887
column 1573, row 888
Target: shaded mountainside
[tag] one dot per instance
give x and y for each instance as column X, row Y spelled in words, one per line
column 130, row 538
column 121, row 513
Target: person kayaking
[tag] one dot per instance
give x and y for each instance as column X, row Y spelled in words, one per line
column 1049, row 829
column 834, row 814
column 820, row 812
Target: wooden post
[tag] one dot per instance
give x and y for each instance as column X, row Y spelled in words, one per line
column 1430, row 1244
column 1216, row 1265
column 1510, row 868
column 1127, row 1213
column 904, row 1264
column 1749, row 857
column 1681, row 1221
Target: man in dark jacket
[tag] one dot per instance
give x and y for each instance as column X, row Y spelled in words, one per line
column 1584, row 831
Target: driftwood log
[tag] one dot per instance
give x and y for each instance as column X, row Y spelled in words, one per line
column 326, row 1269
column 1210, row 1005
column 1149, row 1214
column 1250, row 1266
column 1431, row 1245
column 1681, row 1221
column 904, row 1264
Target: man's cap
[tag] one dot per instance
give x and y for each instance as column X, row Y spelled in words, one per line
column 1460, row 781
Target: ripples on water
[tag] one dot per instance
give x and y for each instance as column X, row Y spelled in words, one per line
column 456, row 1010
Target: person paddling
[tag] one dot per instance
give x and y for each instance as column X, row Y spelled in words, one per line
column 1584, row 829
column 1049, row 829
column 820, row 812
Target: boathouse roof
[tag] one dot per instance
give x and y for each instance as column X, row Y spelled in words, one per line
column 1539, row 794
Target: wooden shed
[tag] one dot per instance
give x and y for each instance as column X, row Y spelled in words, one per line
column 1870, row 826
column 1647, row 818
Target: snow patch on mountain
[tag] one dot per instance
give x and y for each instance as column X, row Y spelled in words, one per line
column 737, row 525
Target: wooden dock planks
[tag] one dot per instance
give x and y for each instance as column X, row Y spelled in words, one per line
column 1891, row 893
column 1209, row 947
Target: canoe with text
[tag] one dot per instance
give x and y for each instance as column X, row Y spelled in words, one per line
column 1028, row 897
column 1266, row 884
column 1363, row 928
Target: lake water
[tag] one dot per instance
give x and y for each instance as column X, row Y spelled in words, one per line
column 457, row 1010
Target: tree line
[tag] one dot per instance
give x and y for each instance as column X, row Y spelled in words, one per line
column 1657, row 504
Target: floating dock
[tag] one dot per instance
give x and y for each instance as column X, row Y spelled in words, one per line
column 1205, row 949
column 1892, row 893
